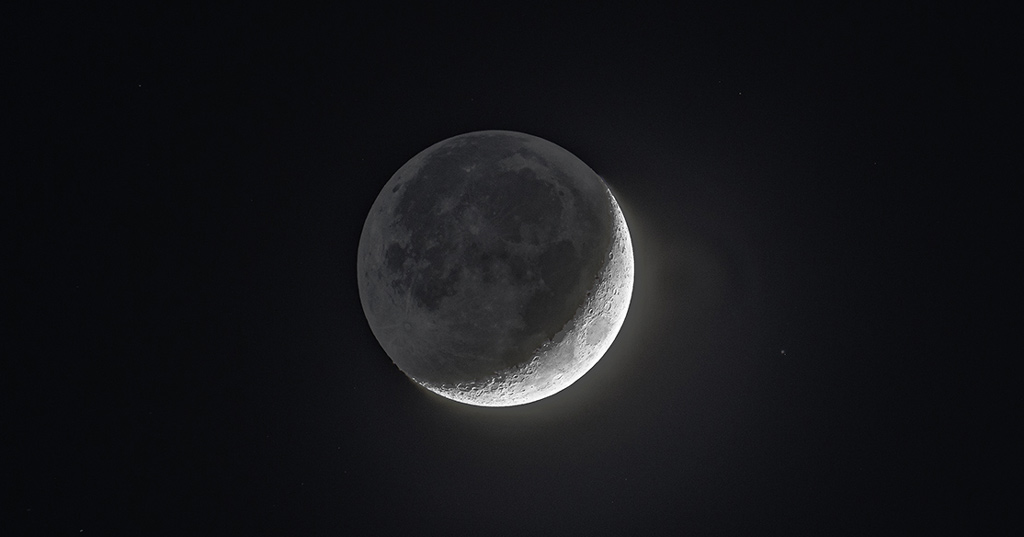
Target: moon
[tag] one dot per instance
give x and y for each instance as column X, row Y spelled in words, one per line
column 495, row 268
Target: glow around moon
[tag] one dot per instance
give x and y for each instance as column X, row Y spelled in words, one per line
column 495, row 268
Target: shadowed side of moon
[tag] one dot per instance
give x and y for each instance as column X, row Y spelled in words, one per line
column 480, row 264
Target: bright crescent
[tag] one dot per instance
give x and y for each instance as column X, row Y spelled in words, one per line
column 573, row 351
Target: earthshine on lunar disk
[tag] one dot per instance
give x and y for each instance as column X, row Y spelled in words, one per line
column 495, row 268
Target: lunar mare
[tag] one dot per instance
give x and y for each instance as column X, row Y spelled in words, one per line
column 495, row 268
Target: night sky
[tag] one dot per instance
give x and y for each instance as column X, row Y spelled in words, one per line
column 189, row 356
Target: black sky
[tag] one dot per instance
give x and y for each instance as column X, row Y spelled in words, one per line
column 189, row 351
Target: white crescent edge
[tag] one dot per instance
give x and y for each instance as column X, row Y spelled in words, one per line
column 573, row 351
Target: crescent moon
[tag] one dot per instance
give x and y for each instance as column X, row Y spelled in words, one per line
column 486, row 300
column 575, row 349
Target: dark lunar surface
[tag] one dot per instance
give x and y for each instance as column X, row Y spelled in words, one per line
column 479, row 250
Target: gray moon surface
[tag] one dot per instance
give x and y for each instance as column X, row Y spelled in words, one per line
column 495, row 268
